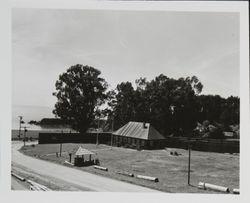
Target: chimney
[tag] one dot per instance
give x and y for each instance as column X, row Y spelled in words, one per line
column 144, row 125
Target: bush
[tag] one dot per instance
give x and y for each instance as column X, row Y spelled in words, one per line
column 216, row 133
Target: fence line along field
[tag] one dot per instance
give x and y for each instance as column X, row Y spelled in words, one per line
column 171, row 170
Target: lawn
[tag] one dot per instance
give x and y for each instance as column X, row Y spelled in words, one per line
column 215, row 168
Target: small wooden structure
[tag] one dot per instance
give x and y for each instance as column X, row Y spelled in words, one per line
column 83, row 157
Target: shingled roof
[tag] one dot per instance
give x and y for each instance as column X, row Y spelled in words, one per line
column 139, row 130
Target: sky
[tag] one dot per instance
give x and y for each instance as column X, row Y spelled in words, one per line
column 124, row 46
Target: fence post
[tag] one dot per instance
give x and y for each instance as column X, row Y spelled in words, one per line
column 60, row 149
column 70, row 157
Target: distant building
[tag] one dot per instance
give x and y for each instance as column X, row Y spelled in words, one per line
column 228, row 134
column 138, row 135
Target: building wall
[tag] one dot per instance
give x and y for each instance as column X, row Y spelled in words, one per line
column 135, row 143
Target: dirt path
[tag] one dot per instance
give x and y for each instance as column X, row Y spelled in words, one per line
column 73, row 176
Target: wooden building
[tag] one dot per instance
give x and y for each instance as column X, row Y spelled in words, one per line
column 138, row 135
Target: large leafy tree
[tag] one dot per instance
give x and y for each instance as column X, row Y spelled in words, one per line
column 124, row 104
column 216, row 109
column 79, row 91
column 211, row 107
column 169, row 104
column 172, row 103
column 231, row 111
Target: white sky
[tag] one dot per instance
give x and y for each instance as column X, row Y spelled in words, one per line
column 123, row 45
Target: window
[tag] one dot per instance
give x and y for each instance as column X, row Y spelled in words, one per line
column 129, row 140
column 151, row 143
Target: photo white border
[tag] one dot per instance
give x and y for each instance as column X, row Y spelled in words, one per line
column 6, row 195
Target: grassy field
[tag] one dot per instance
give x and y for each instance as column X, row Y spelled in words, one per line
column 214, row 168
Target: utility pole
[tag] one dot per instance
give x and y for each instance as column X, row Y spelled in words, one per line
column 189, row 161
column 20, row 123
column 111, row 143
column 61, row 145
column 97, row 135
column 24, row 138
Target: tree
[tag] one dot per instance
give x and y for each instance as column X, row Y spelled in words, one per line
column 211, row 107
column 79, row 91
column 219, row 110
column 124, row 104
column 168, row 104
column 172, row 103
column 231, row 111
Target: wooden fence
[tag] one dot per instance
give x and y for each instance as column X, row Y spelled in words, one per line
column 53, row 138
column 199, row 144
column 209, row 145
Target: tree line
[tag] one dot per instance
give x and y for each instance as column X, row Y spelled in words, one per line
column 172, row 106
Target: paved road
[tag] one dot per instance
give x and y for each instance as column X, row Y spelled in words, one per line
column 73, row 176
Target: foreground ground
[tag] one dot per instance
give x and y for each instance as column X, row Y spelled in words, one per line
column 56, row 176
column 18, row 185
column 214, row 168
